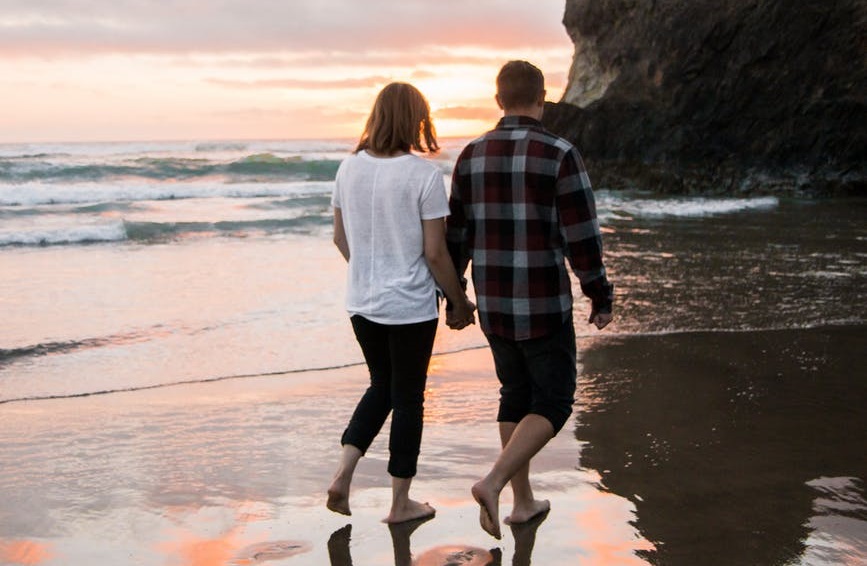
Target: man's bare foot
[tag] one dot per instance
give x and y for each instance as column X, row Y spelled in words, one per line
column 338, row 497
column 489, row 508
column 409, row 511
column 523, row 513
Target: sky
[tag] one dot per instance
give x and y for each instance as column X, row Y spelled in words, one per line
column 112, row 70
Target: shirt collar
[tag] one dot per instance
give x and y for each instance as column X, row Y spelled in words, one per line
column 511, row 122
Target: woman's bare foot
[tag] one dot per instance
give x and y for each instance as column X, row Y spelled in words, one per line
column 338, row 491
column 338, row 497
column 409, row 511
column 489, row 508
column 523, row 513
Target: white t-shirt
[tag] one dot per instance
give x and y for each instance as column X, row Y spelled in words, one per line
column 382, row 202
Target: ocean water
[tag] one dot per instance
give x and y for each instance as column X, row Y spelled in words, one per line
column 132, row 265
column 724, row 404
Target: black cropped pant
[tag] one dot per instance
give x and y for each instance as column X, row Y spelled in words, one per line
column 397, row 357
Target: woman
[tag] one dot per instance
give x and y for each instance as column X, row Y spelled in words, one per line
column 389, row 212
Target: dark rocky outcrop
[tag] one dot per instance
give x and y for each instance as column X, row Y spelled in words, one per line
column 719, row 96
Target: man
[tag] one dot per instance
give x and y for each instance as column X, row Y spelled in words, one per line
column 520, row 205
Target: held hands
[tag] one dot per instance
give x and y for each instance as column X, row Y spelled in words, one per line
column 461, row 315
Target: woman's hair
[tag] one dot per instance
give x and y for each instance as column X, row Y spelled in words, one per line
column 519, row 84
column 398, row 121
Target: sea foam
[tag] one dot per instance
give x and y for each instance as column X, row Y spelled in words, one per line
column 619, row 205
column 113, row 231
column 41, row 193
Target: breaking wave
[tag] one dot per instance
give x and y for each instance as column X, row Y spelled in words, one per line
column 260, row 166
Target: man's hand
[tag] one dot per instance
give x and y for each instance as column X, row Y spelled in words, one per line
column 600, row 319
column 461, row 315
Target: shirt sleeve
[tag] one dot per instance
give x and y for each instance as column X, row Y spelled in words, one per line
column 335, row 194
column 457, row 225
column 579, row 228
column 434, row 203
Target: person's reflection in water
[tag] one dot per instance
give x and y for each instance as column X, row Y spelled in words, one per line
column 446, row 555
column 525, row 539
column 338, row 544
column 459, row 556
column 400, row 533
column 718, row 437
column 338, row 547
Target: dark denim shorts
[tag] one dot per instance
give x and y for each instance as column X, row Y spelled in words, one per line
column 536, row 376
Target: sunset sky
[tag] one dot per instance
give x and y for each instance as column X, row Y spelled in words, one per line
column 88, row 70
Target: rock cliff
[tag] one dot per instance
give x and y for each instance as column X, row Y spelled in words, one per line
column 719, row 96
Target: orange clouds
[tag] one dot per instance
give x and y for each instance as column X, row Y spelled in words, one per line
column 306, row 84
column 490, row 114
column 102, row 26
column 271, row 69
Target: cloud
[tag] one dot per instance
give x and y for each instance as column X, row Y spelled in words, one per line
column 311, row 113
column 556, row 80
column 421, row 74
column 421, row 59
column 305, row 84
column 485, row 113
column 53, row 27
column 290, row 121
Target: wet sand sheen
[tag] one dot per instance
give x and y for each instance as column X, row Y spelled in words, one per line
column 743, row 436
column 712, row 448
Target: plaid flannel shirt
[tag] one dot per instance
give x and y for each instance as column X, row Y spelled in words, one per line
column 520, row 205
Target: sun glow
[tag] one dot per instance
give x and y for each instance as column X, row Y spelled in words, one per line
column 127, row 86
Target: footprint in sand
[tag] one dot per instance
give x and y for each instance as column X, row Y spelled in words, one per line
column 457, row 556
column 265, row 551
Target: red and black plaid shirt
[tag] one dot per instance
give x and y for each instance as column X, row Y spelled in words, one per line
column 521, row 204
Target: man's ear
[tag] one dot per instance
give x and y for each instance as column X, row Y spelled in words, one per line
column 541, row 101
column 499, row 104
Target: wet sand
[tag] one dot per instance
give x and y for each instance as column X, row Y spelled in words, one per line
column 735, row 447
column 711, row 448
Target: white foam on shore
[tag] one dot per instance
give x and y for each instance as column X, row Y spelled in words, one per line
column 613, row 204
column 36, row 194
column 113, row 231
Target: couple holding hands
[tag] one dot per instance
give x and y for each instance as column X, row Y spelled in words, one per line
column 520, row 208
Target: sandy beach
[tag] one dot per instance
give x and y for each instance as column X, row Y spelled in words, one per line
column 176, row 360
column 719, row 419
column 235, row 472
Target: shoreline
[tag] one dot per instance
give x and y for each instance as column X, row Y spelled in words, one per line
column 203, row 473
column 581, row 338
column 235, row 472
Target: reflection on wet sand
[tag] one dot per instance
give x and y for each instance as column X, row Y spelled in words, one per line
column 233, row 473
column 269, row 551
column 525, row 539
column 400, row 534
column 695, row 448
column 24, row 552
column 731, row 443
column 444, row 555
column 338, row 547
column 459, row 556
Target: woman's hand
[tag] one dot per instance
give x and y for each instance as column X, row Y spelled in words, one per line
column 461, row 315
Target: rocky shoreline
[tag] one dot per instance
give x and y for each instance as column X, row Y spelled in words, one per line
column 719, row 97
